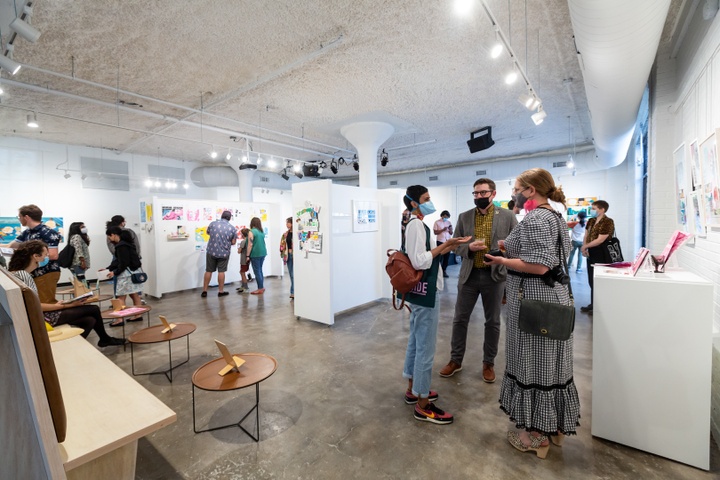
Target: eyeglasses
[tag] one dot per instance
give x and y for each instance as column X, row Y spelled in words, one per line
column 482, row 193
column 515, row 191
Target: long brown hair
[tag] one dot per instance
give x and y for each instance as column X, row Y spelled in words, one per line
column 256, row 223
column 22, row 257
column 543, row 183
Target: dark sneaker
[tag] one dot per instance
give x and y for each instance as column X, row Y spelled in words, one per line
column 111, row 341
column 432, row 414
column 411, row 399
column 586, row 309
column 450, row 369
column 222, row 294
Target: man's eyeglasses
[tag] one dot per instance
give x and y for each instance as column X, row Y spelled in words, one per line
column 482, row 193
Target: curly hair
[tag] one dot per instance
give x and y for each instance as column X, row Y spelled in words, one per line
column 23, row 255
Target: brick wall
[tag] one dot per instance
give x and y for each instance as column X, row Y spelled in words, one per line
column 685, row 106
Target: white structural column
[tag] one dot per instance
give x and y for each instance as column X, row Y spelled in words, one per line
column 245, row 178
column 367, row 138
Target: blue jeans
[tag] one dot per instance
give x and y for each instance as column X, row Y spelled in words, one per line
column 291, row 272
column 421, row 347
column 575, row 247
column 257, row 263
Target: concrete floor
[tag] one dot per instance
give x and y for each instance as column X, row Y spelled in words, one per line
column 335, row 409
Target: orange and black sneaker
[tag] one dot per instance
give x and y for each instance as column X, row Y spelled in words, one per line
column 432, row 414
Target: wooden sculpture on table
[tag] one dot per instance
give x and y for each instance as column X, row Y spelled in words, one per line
column 168, row 326
column 233, row 362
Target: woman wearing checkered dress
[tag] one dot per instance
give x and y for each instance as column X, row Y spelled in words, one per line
column 538, row 392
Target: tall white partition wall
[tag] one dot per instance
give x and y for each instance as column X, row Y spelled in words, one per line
column 174, row 263
column 350, row 271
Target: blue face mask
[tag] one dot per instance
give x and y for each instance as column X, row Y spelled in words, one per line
column 44, row 262
column 593, row 213
column 427, row 208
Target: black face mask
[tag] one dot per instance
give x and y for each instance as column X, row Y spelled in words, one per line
column 482, row 203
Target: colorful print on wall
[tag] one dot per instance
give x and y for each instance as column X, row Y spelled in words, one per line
column 193, row 214
column 172, row 213
column 681, row 200
column 365, row 216
column 207, row 215
column 143, row 213
column 575, row 205
column 695, row 168
column 10, row 227
column 308, row 229
column 710, row 190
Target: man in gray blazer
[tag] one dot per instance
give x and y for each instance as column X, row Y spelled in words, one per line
column 487, row 224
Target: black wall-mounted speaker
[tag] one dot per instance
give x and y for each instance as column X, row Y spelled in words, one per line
column 311, row 170
column 480, row 139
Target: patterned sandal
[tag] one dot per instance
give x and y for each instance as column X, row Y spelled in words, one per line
column 535, row 444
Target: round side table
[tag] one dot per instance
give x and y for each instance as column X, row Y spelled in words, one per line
column 257, row 368
column 155, row 335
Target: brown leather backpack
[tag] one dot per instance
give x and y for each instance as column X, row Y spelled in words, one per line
column 403, row 277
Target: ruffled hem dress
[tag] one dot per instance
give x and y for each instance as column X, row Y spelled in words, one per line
column 538, row 390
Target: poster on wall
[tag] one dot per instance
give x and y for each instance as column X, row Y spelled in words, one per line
column 149, row 212
column 308, row 229
column 575, row 205
column 10, row 227
column 695, row 169
column 207, row 215
column 365, row 216
column 143, row 213
column 680, row 197
column 192, row 214
column 710, row 190
column 172, row 213
column 696, row 214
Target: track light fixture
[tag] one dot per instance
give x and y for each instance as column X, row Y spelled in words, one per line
column 511, row 77
column 158, row 184
column 213, row 153
column 67, row 175
column 356, row 166
column 83, row 176
column 32, row 120
column 539, row 117
column 7, row 63
column 531, row 102
column 299, row 173
column 333, row 166
column 148, row 183
column 25, row 30
column 284, row 175
column 272, row 163
column 186, row 186
column 384, row 158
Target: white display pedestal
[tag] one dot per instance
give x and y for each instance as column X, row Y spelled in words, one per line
column 652, row 360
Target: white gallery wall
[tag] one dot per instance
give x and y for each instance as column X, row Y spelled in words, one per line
column 33, row 172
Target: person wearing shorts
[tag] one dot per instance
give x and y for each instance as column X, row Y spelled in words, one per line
column 222, row 237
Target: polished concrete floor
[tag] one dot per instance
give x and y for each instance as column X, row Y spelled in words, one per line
column 334, row 408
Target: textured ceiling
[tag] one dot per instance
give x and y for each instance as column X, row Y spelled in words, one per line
column 281, row 70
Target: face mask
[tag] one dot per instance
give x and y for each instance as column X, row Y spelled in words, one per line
column 44, row 262
column 83, row 230
column 482, row 203
column 427, row 208
column 519, row 200
column 593, row 213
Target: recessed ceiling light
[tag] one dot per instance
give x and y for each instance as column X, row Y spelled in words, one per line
column 463, row 7
column 511, row 77
column 496, row 50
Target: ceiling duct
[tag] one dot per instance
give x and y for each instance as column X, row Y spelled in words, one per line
column 617, row 42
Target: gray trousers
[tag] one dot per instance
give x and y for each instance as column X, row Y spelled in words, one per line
column 479, row 283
